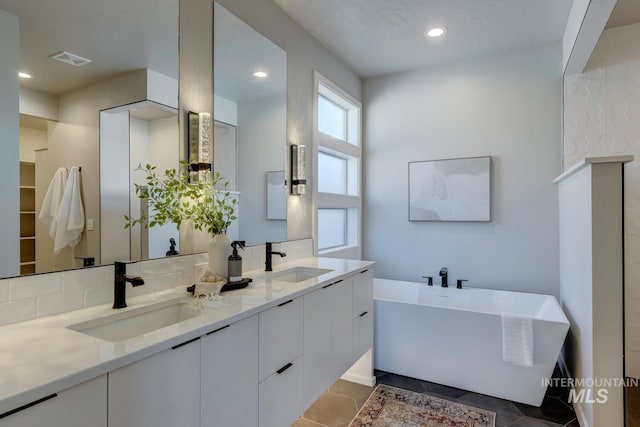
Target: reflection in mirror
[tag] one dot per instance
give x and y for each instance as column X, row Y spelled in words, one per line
column 131, row 49
column 250, row 103
column 146, row 133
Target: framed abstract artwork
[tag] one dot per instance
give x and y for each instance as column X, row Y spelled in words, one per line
column 450, row 190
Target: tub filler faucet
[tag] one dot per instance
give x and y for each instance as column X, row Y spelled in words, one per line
column 444, row 274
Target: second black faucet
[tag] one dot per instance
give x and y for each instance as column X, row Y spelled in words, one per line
column 120, row 280
column 269, row 253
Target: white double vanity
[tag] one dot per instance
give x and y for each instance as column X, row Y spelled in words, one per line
column 258, row 357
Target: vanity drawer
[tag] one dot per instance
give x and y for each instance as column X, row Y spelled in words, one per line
column 362, row 334
column 280, row 339
column 281, row 395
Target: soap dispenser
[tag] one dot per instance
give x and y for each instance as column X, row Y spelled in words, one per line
column 235, row 262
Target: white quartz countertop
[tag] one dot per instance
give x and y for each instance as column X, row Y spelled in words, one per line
column 41, row 357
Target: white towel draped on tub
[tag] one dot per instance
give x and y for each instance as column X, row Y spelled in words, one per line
column 517, row 339
column 50, row 210
column 70, row 223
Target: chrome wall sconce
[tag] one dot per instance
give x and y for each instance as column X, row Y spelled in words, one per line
column 298, row 170
column 200, row 144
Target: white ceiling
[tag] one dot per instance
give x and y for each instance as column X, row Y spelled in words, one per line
column 117, row 35
column 376, row 37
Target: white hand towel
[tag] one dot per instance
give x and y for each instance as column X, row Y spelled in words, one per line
column 51, row 204
column 517, row 339
column 71, row 218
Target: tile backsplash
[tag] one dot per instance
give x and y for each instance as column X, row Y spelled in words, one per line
column 29, row 297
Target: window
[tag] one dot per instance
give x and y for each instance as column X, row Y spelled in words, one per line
column 332, row 118
column 332, row 228
column 337, row 184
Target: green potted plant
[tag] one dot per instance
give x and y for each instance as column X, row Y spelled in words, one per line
column 207, row 204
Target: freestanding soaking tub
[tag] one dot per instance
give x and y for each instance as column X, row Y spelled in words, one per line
column 454, row 337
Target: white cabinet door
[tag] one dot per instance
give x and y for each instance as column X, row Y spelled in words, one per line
column 362, row 313
column 318, row 366
column 362, row 292
column 79, row 406
column 230, row 375
column 281, row 396
column 160, row 391
column 341, row 326
column 280, row 336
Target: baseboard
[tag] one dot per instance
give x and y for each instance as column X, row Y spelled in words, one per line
column 578, row 409
column 368, row 381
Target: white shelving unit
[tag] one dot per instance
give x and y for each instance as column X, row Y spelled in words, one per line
column 27, row 217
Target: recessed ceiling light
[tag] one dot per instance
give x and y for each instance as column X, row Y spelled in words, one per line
column 260, row 74
column 24, row 75
column 435, row 31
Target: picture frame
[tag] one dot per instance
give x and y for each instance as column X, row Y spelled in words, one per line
column 456, row 190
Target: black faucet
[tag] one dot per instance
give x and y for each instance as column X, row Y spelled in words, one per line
column 270, row 252
column 444, row 273
column 120, row 279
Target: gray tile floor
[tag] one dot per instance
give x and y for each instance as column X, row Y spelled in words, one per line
column 339, row 405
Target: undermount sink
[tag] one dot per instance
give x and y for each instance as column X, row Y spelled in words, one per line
column 298, row 274
column 132, row 323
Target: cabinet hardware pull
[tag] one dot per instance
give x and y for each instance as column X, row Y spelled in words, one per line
column 284, row 368
column 363, row 271
column 28, row 405
column 363, row 314
column 331, row 284
column 185, row 343
column 218, row 330
column 285, row 303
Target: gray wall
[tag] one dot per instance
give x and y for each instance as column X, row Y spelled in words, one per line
column 261, row 133
column 9, row 142
column 507, row 107
column 304, row 54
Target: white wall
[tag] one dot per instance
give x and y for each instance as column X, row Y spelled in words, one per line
column 601, row 110
column 38, row 104
column 68, row 145
column 304, row 55
column 507, row 107
column 30, row 140
column 152, row 142
column 225, row 110
column 9, row 142
column 138, row 154
column 261, row 148
column 591, row 279
column 115, row 241
column 164, row 153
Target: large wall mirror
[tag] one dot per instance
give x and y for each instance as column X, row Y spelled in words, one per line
column 120, row 108
column 84, row 58
column 250, row 125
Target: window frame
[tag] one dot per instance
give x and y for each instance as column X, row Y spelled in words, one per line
column 349, row 149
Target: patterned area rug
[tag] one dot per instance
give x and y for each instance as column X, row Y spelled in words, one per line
column 394, row 407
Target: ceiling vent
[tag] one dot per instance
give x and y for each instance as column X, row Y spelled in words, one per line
column 70, row 58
